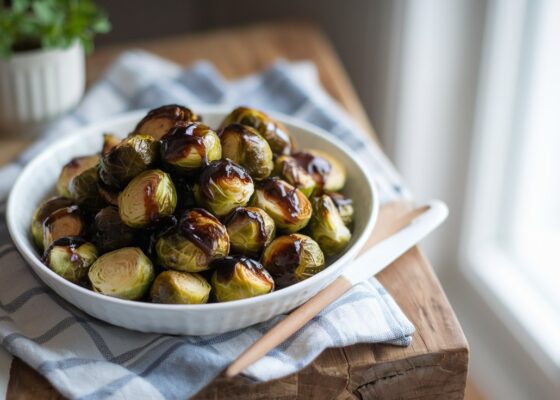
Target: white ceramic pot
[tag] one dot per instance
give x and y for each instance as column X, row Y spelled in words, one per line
column 37, row 85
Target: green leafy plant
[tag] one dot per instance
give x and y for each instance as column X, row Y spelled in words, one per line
column 32, row 24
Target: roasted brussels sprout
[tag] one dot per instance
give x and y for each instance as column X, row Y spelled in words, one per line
column 200, row 238
column 129, row 158
column 68, row 221
column 186, row 149
column 287, row 206
column 71, row 257
column 174, row 287
column 160, row 120
column 273, row 131
column 326, row 226
column 250, row 230
column 345, row 206
column 41, row 214
column 246, row 147
column 223, row 186
column 84, row 190
column 75, row 167
column 237, row 278
column 147, row 198
column 109, row 142
column 293, row 258
column 108, row 195
column 124, row 273
column 329, row 174
column 110, row 233
column 288, row 169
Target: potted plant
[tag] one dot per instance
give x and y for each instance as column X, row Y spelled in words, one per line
column 42, row 62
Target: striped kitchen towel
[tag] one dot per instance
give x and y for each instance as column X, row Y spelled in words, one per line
column 88, row 359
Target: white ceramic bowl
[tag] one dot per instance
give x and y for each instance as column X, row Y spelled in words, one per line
column 37, row 182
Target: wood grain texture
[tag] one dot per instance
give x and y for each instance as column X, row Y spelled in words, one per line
column 434, row 366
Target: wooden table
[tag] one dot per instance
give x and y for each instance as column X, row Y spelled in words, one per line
column 434, row 366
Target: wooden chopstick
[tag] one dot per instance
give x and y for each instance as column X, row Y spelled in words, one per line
column 304, row 313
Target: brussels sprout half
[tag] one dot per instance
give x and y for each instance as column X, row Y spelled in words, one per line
column 244, row 146
column 328, row 173
column 147, row 198
column 126, row 160
column 250, row 230
column 124, row 273
column 326, row 226
column 288, row 169
column 110, row 233
column 84, row 190
column 41, row 214
column 174, row 287
column 199, row 239
column 186, row 149
column 345, row 206
column 223, row 186
column 68, row 221
column 73, row 168
column 71, row 258
column 237, row 278
column 293, row 258
column 160, row 120
column 287, row 206
column 273, row 131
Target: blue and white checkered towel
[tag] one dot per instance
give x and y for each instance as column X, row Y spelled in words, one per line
column 86, row 358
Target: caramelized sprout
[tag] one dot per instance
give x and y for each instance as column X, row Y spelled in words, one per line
column 71, row 257
column 110, row 232
column 246, row 147
column 288, row 169
column 174, row 287
column 237, row 278
column 273, row 131
column 188, row 148
column 327, row 227
column 293, row 258
column 250, row 230
column 126, row 160
column 199, row 239
column 84, row 190
column 345, row 206
column 124, row 273
column 160, row 120
column 328, row 173
column 223, row 186
column 287, row 206
column 73, row 168
column 147, row 198
column 41, row 214
column 68, row 221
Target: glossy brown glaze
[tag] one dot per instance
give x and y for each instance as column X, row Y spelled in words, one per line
column 202, row 229
column 67, row 221
column 284, row 260
column 222, row 170
column 181, row 140
column 51, row 205
column 274, row 132
column 151, row 204
column 225, row 269
column 316, row 166
column 70, row 242
column 242, row 215
column 160, row 120
column 284, row 195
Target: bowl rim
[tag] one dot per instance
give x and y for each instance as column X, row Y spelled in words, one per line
column 30, row 254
